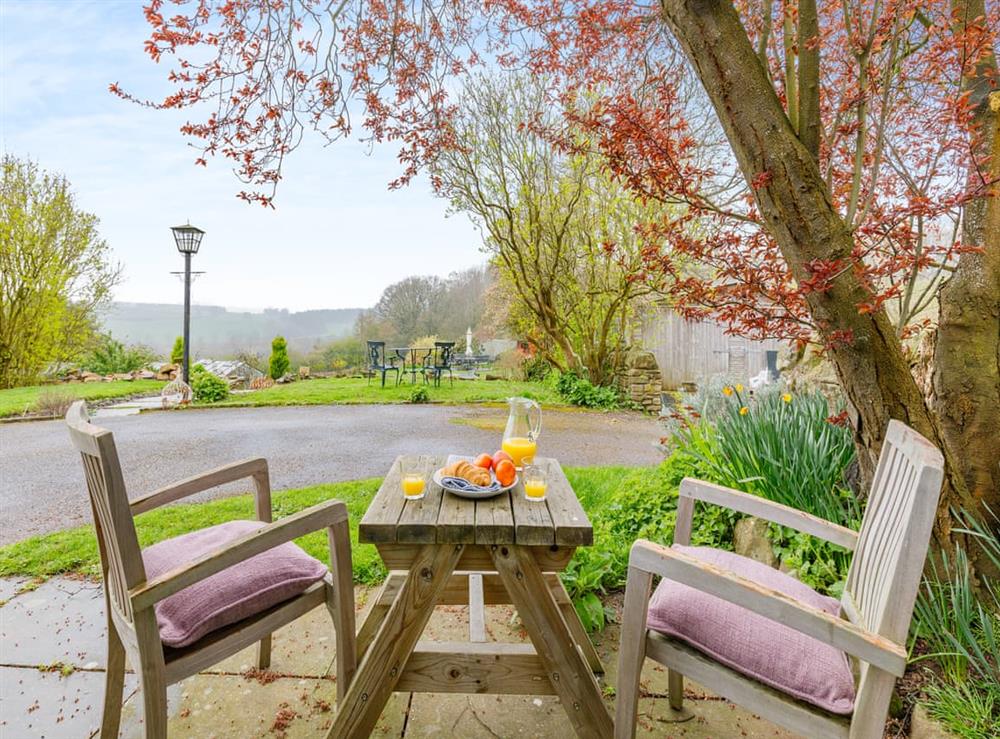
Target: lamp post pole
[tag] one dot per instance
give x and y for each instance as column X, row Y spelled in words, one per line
column 187, row 318
column 188, row 239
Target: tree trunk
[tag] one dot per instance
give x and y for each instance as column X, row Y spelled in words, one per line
column 966, row 382
column 864, row 348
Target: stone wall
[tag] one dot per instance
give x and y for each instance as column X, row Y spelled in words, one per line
column 642, row 381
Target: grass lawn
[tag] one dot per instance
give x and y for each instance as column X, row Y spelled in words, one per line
column 75, row 551
column 17, row 400
column 356, row 390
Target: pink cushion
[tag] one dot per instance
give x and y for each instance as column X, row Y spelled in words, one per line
column 754, row 645
column 238, row 592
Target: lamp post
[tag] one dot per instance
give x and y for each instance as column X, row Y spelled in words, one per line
column 188, row 239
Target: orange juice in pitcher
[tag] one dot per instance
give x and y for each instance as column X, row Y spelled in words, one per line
column 519, row 448
column 520, row 438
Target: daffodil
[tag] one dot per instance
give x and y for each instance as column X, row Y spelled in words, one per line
column 727, row 391
column 787, row 397
column 744, row 410
column 739, row 388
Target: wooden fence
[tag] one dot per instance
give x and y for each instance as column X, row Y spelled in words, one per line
column 693, row 351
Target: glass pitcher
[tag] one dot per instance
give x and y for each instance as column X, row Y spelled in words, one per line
column 520, row 438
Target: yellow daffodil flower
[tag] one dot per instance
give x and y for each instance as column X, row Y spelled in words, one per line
column 739, row 388
column 744, row 410
column 727, row 391
column 787, row 397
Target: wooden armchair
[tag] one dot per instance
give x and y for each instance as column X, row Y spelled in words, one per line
column 130, row 597
column 876, row 607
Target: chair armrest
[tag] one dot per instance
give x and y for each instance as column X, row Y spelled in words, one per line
column 253, row 468
column 753, row 505
column 859, row 642
column 291, row 527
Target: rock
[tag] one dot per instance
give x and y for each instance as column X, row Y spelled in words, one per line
column 750, row 540
column 923, row 726
column 91, row 377
column 303, row 373
column 167, row 372
column 127, row 376
column 147, row 375
column 644, row 361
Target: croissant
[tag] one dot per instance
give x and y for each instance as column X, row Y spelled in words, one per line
column 467, row 471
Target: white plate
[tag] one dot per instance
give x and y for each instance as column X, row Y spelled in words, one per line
column 471, row 494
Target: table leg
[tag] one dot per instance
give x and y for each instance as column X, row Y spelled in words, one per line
column 578, row 631
column 383, row 662
column 378, row 611
column 568, row 671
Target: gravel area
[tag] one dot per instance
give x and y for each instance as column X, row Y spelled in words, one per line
column 42, row 486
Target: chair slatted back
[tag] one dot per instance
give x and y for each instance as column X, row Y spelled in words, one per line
column 376, row 354
column 889, row 559
column 121, row 557
column 443, row 354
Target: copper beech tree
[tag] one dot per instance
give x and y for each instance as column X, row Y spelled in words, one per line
column 855, row 204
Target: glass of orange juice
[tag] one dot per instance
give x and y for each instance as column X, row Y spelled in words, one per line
column 413, row 477
column 520, row 449
column 535, row 478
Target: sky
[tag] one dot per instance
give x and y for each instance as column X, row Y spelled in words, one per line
column 337, row 237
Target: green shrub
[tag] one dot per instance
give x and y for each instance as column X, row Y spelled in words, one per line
column 535, row 369
column 206, row 387
column 784, row 449
column 279, row 362
column 960, row 624
column 579, row 391
column 967, row 710
column 177, row 353
column 420, row 394
column 111, row 356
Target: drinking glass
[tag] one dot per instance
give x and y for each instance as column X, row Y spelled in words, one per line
column 536, row 480
column 413, row 477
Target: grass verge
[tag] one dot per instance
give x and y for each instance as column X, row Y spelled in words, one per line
column 17, row 400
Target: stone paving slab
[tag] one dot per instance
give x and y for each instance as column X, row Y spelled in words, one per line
column 62, row 621
column 10, row 587
column 52, row 705
column 235, row 707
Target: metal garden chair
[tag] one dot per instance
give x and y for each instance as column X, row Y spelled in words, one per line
column 874, row 612
column 131, row 597
column 439, row 362
column 379, row 363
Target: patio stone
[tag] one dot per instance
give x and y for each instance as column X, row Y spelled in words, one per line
column 61, row 621
column 712, row 719
column 9, row 588
column 451, row 623
column 304, row 648
column 474, row 716
column 231, row 706
column 50, row 705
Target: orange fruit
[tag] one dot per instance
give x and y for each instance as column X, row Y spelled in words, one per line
column 505, row 472
column 484, row 460
column 501, row 455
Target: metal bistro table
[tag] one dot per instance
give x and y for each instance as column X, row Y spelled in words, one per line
column 446, row 550
column 403, row 351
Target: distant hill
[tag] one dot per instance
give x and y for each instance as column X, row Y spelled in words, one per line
column 216, row 331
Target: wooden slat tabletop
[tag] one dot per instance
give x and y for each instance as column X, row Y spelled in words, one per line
column 508, row 518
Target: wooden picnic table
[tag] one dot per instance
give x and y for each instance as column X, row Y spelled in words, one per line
column 447, row 550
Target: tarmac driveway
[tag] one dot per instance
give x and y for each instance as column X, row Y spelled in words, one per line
column 42, row 486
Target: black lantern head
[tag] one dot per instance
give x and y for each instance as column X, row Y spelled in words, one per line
column 188, row 238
